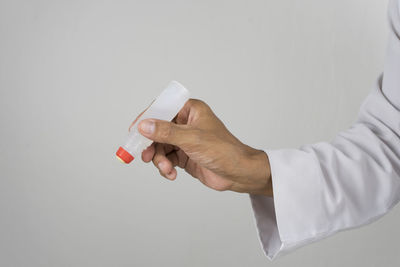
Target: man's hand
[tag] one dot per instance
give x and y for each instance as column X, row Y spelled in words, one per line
column 198, row 142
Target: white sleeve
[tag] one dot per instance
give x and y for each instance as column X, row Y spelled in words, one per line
column 324, row 188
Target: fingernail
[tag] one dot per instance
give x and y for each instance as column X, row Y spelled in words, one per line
column 170, row 175
column 147, row 126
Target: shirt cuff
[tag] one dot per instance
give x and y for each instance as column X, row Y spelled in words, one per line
column 294, row 216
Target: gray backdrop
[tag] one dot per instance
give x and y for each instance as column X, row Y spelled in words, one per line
column 74, row 74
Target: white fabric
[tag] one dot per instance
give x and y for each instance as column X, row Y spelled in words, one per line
column 324, row 188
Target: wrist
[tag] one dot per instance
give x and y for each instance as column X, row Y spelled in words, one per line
column 259, row 173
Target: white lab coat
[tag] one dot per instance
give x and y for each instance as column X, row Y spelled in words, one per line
column 324, row 188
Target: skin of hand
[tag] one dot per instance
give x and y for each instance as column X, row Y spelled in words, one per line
column 198, row 142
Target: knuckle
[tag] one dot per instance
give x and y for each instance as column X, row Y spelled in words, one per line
column 193, row 101
column 204, row 108
column 165, row 131
column 156, row 159
column 199, row 103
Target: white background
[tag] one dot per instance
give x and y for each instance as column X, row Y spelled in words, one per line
column 74, row 74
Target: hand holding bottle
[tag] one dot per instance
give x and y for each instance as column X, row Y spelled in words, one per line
column 198, row 142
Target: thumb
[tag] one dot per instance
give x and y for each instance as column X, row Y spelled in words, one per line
column 164, row 131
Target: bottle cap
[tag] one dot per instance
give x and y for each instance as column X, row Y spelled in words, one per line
column 124, row 156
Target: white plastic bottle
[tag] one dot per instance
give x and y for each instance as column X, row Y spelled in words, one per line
column 165, row 107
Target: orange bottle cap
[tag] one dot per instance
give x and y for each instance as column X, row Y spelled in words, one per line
column 124, row 156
